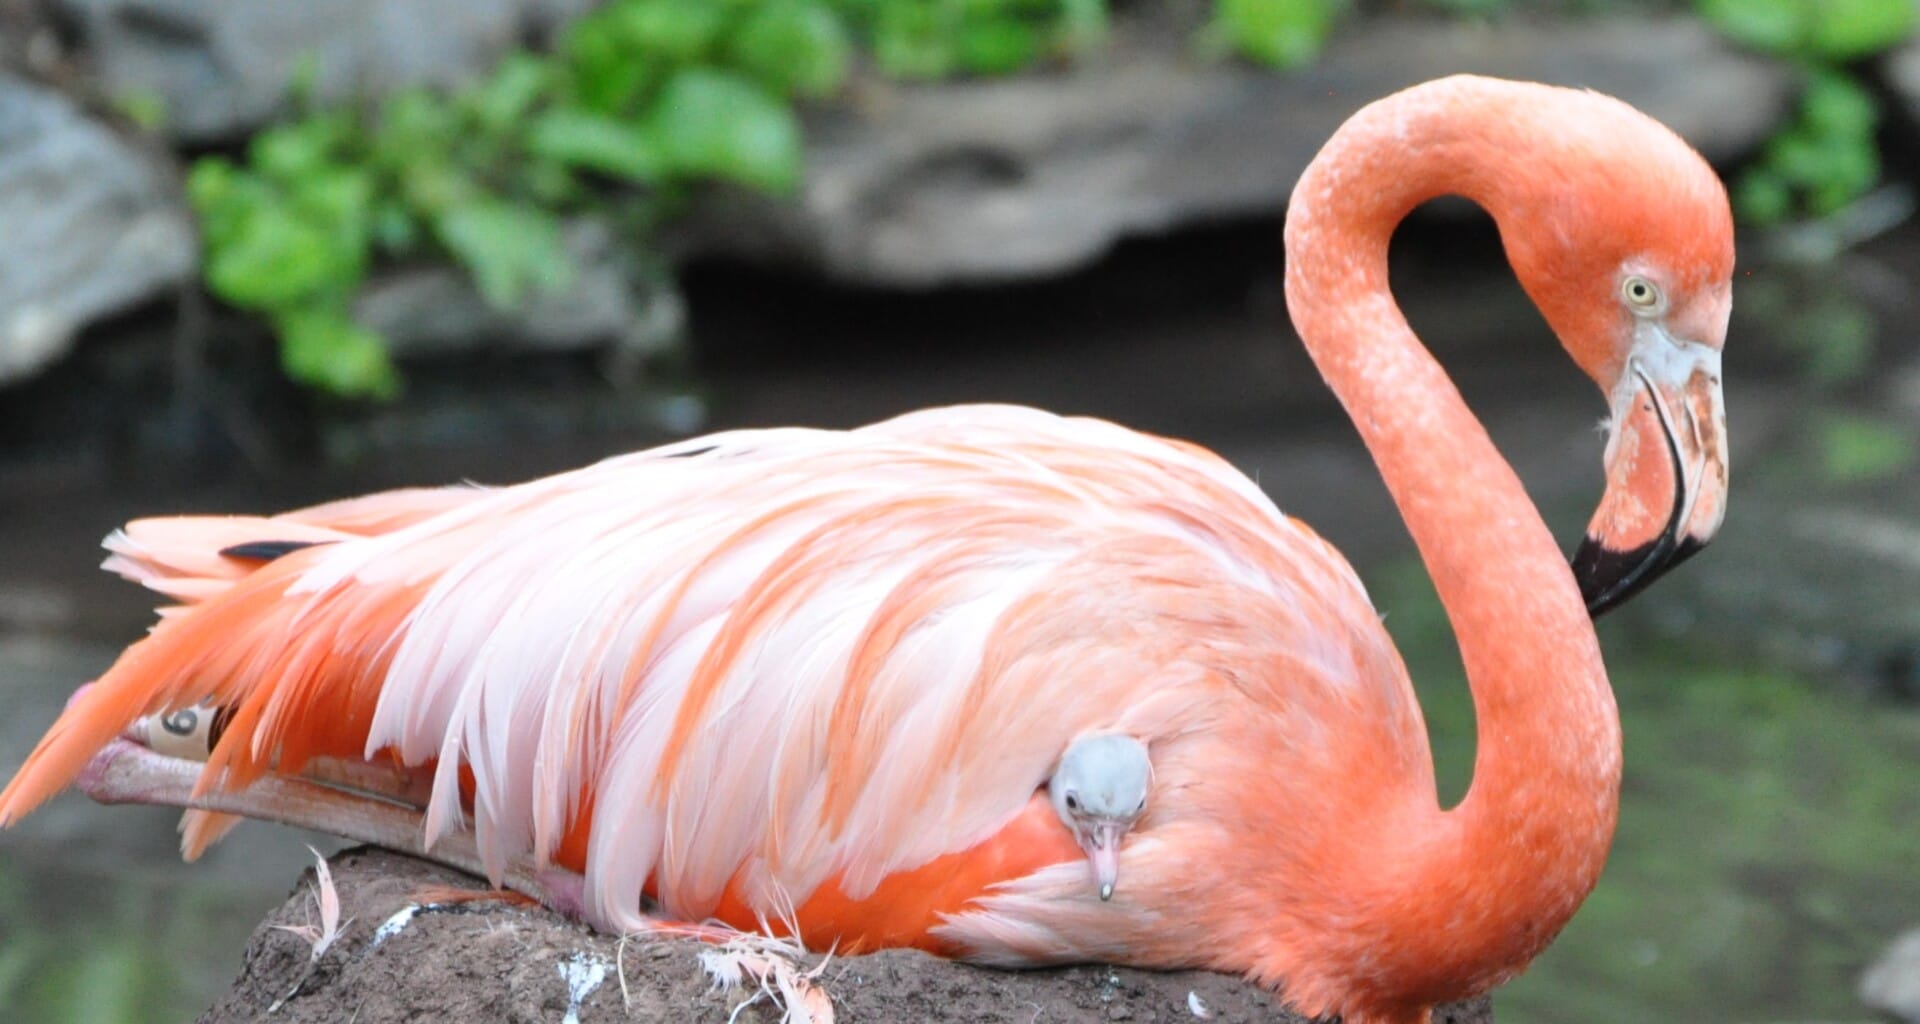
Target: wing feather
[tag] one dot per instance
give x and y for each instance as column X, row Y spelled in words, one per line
column 762, row 661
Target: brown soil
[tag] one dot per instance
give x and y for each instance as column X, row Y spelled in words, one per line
column 488, row 961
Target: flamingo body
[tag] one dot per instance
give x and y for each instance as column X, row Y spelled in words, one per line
column 820, row 678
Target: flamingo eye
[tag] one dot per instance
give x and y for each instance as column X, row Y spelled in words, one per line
column 1073, row 803
column 1643, row 295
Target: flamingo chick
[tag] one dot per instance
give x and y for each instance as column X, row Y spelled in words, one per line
column 1099, row 790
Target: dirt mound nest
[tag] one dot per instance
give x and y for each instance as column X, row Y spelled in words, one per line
column 489, row 960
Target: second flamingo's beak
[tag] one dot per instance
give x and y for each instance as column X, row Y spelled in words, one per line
column 1102, row 846
column 1666, row 465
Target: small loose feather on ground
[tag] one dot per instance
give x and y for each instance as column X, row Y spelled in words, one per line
column 321, row 936
column 773, row 965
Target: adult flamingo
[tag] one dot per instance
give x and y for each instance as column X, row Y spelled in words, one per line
column 822, row 675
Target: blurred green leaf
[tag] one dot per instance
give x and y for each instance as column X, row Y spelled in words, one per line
column 793, row 47
column 603, row 75
column 303, row 84
column 509, row 249
column 414, row 127
column 1771, row 25
column 713, row 124
column 997, row 46
column 1277, row 33
column 1763, row 198
column 1822, row 161
column 320, row 346
column 1082, row 25
column 1846, row 30
column 596, row 142
column 916, row 40
column 290, row 151
column 1857, row 449
column 1471, row 8
column 434, row 184
column 1798, row 155
column 510, row 92
column 274, row 258
column 682, row 31
column 1851, row 169
column 1837, row 106
column 1825, row 30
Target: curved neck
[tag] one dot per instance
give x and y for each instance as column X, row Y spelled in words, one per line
column 1525, row 846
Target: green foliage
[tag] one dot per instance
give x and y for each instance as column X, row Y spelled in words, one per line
column 938, row 38
column 795, row 47
column 1471, row 8
column 1830, row 31
column 640, row 100
column 1819, row 162
column 1826, row 156
column 1863, row 449
column 1277, row 33
column 710, row 124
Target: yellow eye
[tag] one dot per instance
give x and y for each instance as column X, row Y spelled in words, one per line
column 1643, row 295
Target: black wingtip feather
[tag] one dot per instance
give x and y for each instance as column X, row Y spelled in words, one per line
column 266, row 550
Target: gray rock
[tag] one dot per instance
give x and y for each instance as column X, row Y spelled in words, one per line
column 222, row 67
column 93, row 225
column 436, row 310
column 1892, row 984
column 1902, row 70
column 983, row 181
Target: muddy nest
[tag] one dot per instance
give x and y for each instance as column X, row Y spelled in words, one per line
column 487, row 960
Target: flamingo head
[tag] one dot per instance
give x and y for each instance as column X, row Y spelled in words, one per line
column 1099, row 790
column 1624, row 239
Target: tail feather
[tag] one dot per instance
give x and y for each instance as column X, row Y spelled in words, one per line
column 300, row 673
column 375, row 514
column 194, row 558
column 181, row 556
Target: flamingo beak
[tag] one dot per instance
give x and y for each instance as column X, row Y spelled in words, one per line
column 1102, row 847
column 1666, row 465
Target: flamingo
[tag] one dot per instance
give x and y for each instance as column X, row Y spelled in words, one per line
column 822, row 677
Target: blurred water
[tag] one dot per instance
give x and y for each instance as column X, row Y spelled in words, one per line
column 1768, row 830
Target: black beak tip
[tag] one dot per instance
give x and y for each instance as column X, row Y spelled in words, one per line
column 1608, row 576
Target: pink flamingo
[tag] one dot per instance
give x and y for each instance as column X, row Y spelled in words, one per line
column 824, row 677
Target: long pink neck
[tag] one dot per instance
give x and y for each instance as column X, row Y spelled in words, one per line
column 1507, row 867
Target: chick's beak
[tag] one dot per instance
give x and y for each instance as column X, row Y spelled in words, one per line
column 1666, row 470
column 1102, row 845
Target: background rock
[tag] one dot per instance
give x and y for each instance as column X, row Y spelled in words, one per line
column 907, row 185
column 222, row 67
column 1902, row 71
column 92, row 225
column 488, row 960
column 434, row 310
column 990, row 181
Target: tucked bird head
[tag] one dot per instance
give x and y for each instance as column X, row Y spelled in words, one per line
column 1621, row 234
column 1099, row 790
